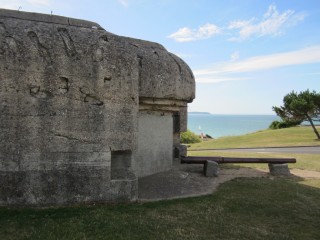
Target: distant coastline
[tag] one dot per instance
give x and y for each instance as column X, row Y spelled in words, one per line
column 218, row 125
column 207, row 113
column 232, row 114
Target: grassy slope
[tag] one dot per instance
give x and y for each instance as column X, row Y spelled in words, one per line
column 242, row 209
column 296, row 136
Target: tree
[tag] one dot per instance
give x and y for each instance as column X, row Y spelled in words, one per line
column 304, row 106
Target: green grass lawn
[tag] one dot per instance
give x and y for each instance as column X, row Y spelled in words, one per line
column 295, row 136
column 261, row 208
column 245, row 208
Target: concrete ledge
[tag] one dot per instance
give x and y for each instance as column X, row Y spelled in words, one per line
column 183, row 150
column 279, row 169
column 211, row 169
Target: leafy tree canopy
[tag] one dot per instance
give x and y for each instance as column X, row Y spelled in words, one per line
column 303, row 106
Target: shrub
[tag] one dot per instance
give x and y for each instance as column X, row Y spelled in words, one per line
column 283, row 124
column 189, row 137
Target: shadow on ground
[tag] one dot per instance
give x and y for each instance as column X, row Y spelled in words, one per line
column 188, row 181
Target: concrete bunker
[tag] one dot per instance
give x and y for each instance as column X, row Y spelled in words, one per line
column 84, row 112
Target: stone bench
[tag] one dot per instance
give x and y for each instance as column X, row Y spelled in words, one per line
column 277, row 166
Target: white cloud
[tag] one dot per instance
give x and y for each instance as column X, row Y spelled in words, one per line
column 124, row 3
column 217, row 79
column 203, row 32
column 235, row 56
column 273, row 23
column 222, row 71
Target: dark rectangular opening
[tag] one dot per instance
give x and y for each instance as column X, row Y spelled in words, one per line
column 121, row 164
column 176, row 122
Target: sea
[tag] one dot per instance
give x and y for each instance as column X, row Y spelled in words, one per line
column 228, row 125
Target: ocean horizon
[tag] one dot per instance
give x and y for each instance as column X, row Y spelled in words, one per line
column 221, row 125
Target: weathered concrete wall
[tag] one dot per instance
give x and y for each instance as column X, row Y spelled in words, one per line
column 154, row 150
column 70, row 95
column 162, row 74
column 69, row 98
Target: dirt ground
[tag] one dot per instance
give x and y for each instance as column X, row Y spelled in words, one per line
column 188, row 180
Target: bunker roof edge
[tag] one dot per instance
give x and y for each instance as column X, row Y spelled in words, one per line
column 47, row 18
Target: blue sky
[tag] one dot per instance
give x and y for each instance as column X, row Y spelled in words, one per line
column 245, row 54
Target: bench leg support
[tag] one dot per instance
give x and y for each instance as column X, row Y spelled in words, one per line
column 279, row 169
column 211, row 169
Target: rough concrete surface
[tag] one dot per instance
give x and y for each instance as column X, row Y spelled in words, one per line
column 70, row 96
column 211, row 169
column 279, row 169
